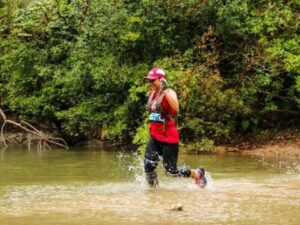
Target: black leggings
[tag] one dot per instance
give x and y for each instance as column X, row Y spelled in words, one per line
column 168, row 151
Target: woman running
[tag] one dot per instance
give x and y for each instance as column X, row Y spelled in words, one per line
column 163, row 107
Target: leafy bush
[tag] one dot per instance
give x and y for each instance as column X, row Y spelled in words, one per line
column 205, row 145
column 78, row 65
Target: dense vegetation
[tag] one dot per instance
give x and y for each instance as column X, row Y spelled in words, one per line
column 77, row 65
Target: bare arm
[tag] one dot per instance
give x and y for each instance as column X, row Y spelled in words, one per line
column 172, row 99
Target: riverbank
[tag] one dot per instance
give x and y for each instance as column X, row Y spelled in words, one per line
column 276, row 151
column 284, row 144
column 282, row 150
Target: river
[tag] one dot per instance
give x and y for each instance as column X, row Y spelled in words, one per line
column 104, row 186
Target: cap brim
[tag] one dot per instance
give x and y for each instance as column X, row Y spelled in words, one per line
column 150, row 78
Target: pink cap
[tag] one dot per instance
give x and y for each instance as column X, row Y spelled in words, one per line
column 155, row 73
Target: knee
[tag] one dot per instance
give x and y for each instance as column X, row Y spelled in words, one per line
column 149, row 165
column 171, row 170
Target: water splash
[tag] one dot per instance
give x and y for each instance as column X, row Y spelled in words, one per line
column 134, row 163
column 283, row 166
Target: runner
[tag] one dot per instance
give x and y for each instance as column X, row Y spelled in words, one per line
column 164, row 138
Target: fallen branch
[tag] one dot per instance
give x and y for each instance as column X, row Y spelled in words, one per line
column 43, row 140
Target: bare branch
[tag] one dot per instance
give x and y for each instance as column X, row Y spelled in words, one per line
column 29, row 125
column 2, row 135
column 43, row 140
column 61, row 139
column 2, row 114
column 29, row 141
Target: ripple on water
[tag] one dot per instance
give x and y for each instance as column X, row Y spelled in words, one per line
column 254, row 195
column 234, row 201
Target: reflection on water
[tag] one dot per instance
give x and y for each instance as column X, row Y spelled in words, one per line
column 106, row 187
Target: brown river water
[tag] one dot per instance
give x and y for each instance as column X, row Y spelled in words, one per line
column 105, row 186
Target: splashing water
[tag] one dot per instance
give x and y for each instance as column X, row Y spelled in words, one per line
column 135, row 164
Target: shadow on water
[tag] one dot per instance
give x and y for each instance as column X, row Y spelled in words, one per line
column 92, row 186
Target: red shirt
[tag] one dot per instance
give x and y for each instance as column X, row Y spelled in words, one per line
column 170, row 135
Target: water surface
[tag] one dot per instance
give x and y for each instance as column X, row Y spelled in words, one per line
column 98, row 186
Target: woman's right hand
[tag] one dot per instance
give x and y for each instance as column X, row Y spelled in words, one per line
column 163, row 84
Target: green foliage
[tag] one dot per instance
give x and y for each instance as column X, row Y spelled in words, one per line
column 204, row 145
column 78, row 65
column 141, row 137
